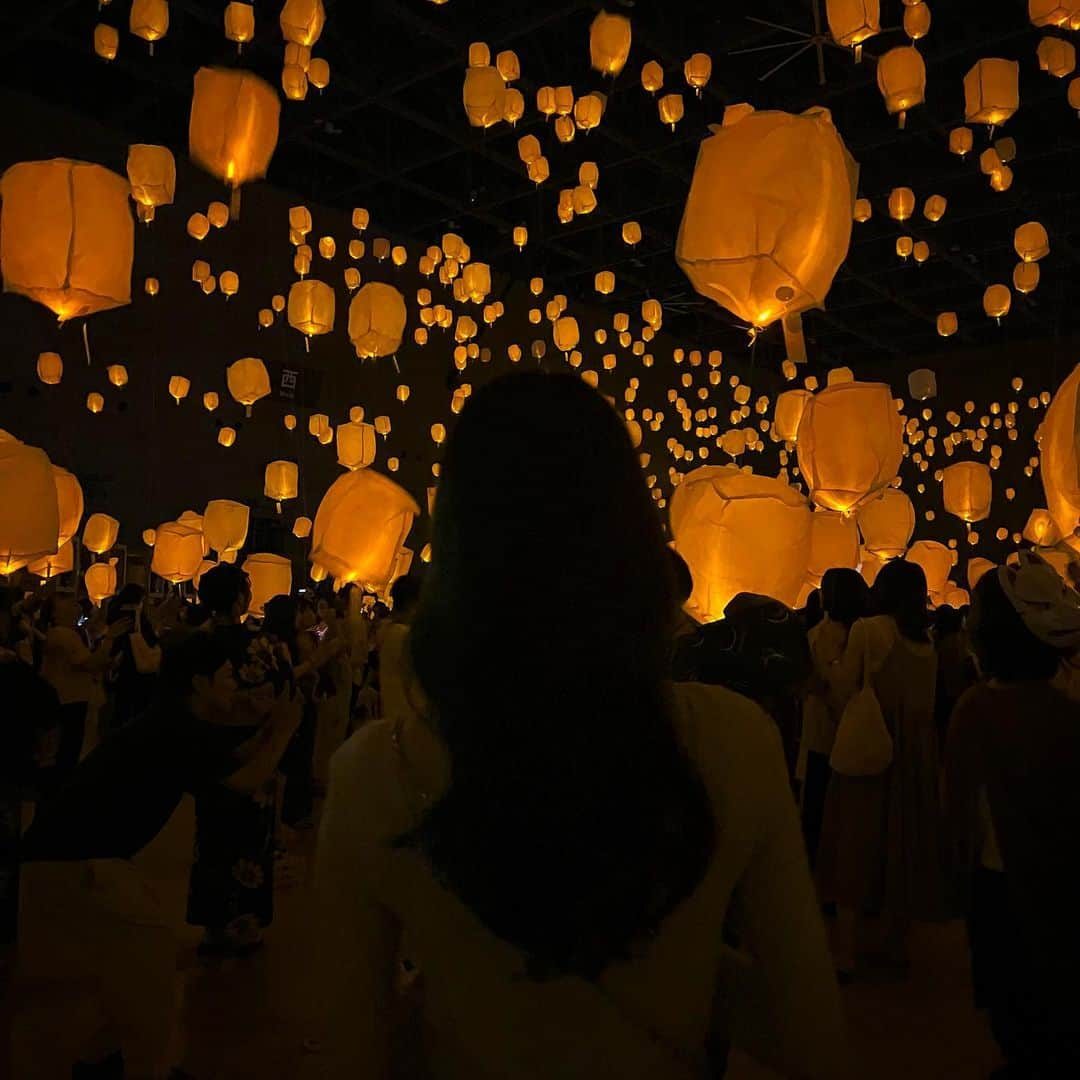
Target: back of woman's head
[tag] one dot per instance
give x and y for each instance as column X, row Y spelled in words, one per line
column 900, row 591
column 574, row 821
column 1006, row 649
column 280, row 618
column 845, row 596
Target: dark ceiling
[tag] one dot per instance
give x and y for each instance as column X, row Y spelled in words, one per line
column 390, row 133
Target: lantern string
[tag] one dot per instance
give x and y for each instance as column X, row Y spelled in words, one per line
column 234, row 203
column 86, row 342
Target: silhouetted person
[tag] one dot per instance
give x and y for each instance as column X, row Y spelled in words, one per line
column 555, row 836
column 1013, row 810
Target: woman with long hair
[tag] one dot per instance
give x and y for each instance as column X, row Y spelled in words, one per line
column 880, row 846
column 537, row 865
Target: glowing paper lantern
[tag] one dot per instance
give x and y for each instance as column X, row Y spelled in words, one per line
column 29, row 509
column 100, row 533
column 302, row 528
column 961, row 140
column 922, row 384
column 917, row 20
column 312, row 308
column 149, row 20
column 50, row 368
column 355, row 445
column 887, row 523
column 151, row 172
column 226, row 436
column 233, row 129
column 225, row 525
column 976, row 568
column 1056, row 56
column 1026, row 277
column 652, row 76
column 100, row 581
column 947, row 323
column 967, row 490
column 302, row 21
column 790, row 406
column 863, row 210
column 1053, row 12
column 991, row 91
column 834, row 543
column 609, row 43
column 318, row 73
column 850, row 444
column 239, row 23
column 270, row 576
column 697, row 71
column 1031, row 242
column 901, row 203
column 901, row 77
column 69, row 504
column 750, row 239
column 604, row 282
column 118, row 375
column 106, row 41
column 508, row 65
column 997, row 300
column 1041, row 529
column 934, row 208
column 671, row 109
column 210, row 401
column 281, row 481
column 66, row 236
column 361, row 525
column 851, row 22
column 739, row 533
column 248, row 381
column 1060, row 464
column 936, row 561
column 178, row 552
column 50, row 566
column 377, row 317
column 484, row 96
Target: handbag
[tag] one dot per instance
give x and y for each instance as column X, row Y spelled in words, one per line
column 863, row 745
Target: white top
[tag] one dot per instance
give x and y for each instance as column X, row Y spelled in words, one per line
column 646, row 1018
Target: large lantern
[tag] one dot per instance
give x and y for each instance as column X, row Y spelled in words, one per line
column 850, row 444
column 609, row 43
column 739, row 533
column 312, row 307
column 769, row 216
column 178, row 552
column 377, row 317
column 248, row 381
column 851, row 22
column 281, row 481
column 1059, row 445
column 270, row 576
column 356, row 445
column 302, row 21
column 50, row 566
column 484, row 96
column 361, row 525
column 901, row 78
column 991, row 91
column 100, row 581
column 29, row 510
column 1041, row 529
column 886, row 524
column 834, row 542
column 225, row 525
column 936, row 561
column 967, row 490
column 233, row 129
column 66, row 236
column 100, row 533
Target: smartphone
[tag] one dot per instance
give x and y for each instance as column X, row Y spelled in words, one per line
column 320, row 630
column 82, row 620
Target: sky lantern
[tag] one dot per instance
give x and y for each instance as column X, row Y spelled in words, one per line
column 750, row 239
column 1053, row 12
column 100, row 581
column 652, row 76
column 318, row 73
column 1031, row 242
column 901, row 203
column 210, row 400
column 1026, row 277
column 149, row 20
column 520, row 236
column 66, row 236
column 947, row 324
column 609, row 43
column 976, row 568
column 233, row 129
column 834, row 543
column 302, row 528
column 225, row 524
column 270, row 576
column 179, row 386
column 790, row 406
column 851, row 22
column 29, row 510
column 240, row 23
column 281, row 481
column 1056, row 56
column 1060, row 463
column 248, row 381
column 50, row 566
column 318, row 424
column 967, row 490
column 484, row 96
column 294, row 82
column 312, row 309
column 961, row 141
column 997, row 300
column 739, row 532
column 226, row 436
column 178, row 552
column 302, row 21
column 539, row 170
column 697, row 71
column 477, row 281
column 151, row 172
column 508, row 65
column 901, row 78
column 100, row 533
column 362, row 523
column 229, row 283
column 863, row 210
column 991, row 91
column 922, row 384
column 671, row 109
column 106, row 41
column 604, row 282
column 355, row 445
column 1041, row 529
column 887, row 523
column 377, row 317
column 934, row 208
column 118, row 375
column 50, row 368
column 588, row 110
column 916, row 20
column 69, row 504
column 850, row 444
column 936, row 561
column 95, row 402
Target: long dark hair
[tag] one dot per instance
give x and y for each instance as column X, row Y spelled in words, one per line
column 845, row 596
column 900, row 591
column 574, row 822
column 279, row 622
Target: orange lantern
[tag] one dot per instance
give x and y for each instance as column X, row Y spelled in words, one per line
column 281, row 481
column 225, row 525
column 967, row 490
column 106, row 41
column 484, row 96
column 248, row 381
column 991, row 91
column 901, row 78
column 178, row 552
column 887, row 523
column 609, row 43
column 377, row 317
column 149, row 19
column 312, row 308
column 66, row 236
column 834, row 543
column 1041, row 529
column 69, row 504
column 239, row 23
column 50, row 368
column 100, row 533
column 270, row 576
column 151, row 172
column 355, row 445
column 100, row 581
column 1056, row 56
column 302, row 21
column 851, row 22
column 29, row 509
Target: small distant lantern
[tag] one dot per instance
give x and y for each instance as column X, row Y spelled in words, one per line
column 179, row 385
column 901, row 203
column 934, row 208
column 106, row 41
column 670, row 107
column 997, row 300
column 697, row 71
column 149, row 20
column 95, row 402
column 210, row 400
column 652, row 76
column 901, row 77
column 609, row 43
column 281, row 481
column 226, row 436
column 240, row 23
column 50, row 368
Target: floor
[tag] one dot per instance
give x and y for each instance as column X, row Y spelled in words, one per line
column 244, row 1019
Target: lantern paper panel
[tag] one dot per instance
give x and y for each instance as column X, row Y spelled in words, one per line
column 377, row 317
column 178, row 552
column 29, row 509
column 887, row 523
column 270, row 576
column 69, row 504
column 834, row 543
column 1060, row 463
column 967, row 490
column 100, row 581
column 225, row 524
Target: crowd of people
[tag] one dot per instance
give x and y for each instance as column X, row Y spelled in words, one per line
column 563, row 830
